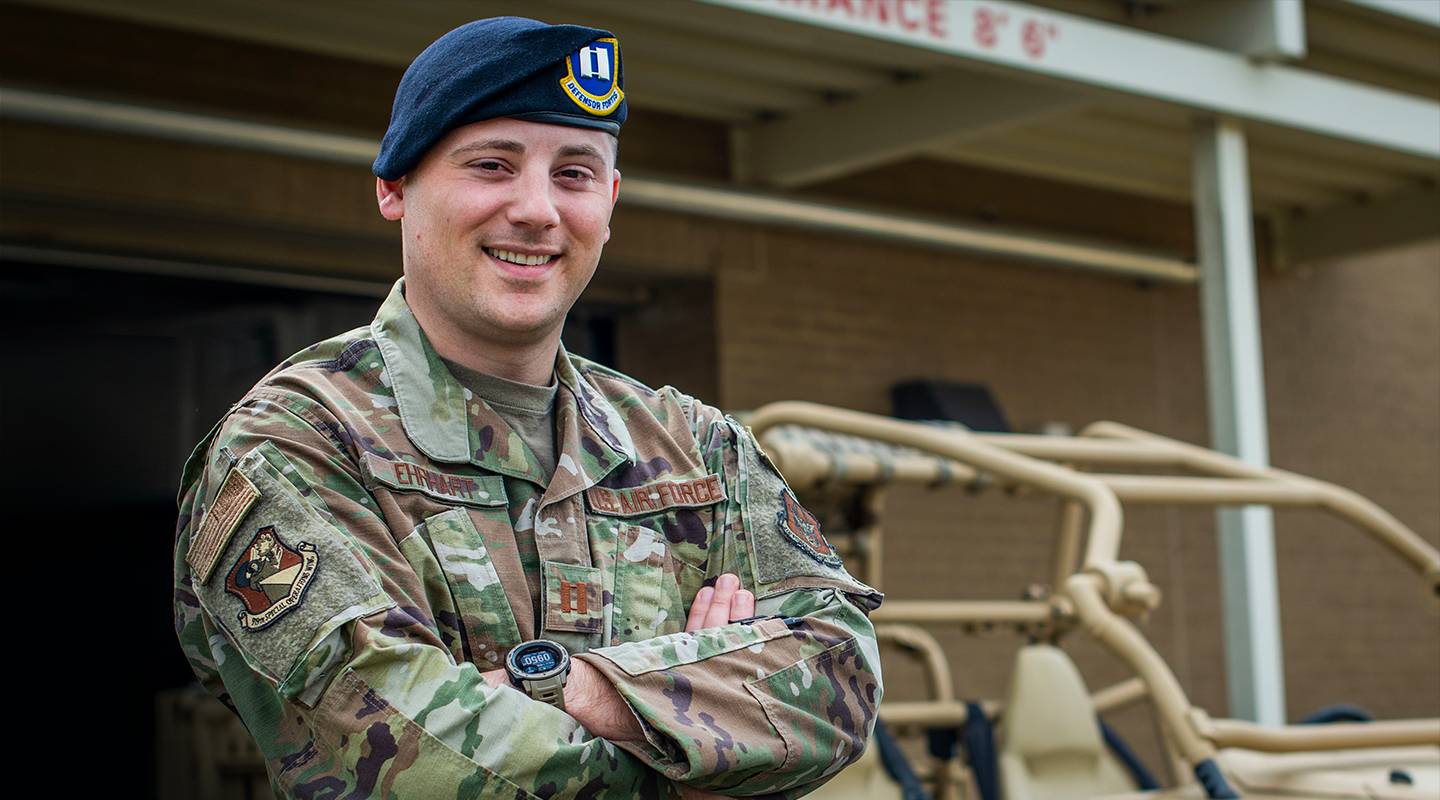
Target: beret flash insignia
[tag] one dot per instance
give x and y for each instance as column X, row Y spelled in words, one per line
column 271, row 578
column 591, row 75
column 800, row 527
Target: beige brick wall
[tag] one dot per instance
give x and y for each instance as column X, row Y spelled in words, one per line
column 1352, row 355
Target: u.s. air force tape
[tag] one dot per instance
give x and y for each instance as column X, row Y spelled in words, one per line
column 654, row 497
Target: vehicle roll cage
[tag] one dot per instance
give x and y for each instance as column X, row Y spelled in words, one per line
column 815, row 445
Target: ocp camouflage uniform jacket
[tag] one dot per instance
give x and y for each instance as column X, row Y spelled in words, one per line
column 353, row 548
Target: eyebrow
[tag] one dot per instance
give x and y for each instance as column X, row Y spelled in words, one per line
column 518, row 148
column 508, row 145
column 573, row 150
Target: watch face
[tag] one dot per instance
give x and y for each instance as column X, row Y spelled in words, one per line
column 536, row 658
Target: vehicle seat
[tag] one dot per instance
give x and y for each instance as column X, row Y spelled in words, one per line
column 1050, row 742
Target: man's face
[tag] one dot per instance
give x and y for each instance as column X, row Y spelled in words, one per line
column 504, row 222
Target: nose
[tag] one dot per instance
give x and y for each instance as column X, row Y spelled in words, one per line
column 533, row 206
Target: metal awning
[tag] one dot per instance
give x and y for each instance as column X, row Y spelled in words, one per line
column 819, row 95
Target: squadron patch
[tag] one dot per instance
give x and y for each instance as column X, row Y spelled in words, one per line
column 591, row 77
column 800, row 527
column 271, row 578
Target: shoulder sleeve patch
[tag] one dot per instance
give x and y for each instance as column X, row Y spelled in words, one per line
column 289, row 577
column 800, row 527
column 237, row 494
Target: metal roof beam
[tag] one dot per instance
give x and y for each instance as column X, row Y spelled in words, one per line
column 1258, row 28
column 1426, row 11
column 1115, row 57
column 1004, row 154
column 723, row 92
column 681, row 198
column 1371, row 41
column 889, row 125
column 719, row 56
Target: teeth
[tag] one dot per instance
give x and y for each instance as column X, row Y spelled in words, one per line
column 519, row 258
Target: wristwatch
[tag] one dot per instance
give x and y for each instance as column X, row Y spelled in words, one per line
column 539, row 668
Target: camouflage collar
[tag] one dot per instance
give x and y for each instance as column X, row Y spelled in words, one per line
column 598, row 418
column 591, row 438
column 432, row 404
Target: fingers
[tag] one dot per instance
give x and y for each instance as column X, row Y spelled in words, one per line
column 742, row 605
column 717, row 605
column 496, row 677
column 699, row 609
column 719, row 614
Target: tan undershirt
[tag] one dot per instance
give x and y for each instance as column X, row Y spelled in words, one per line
column 528, row 410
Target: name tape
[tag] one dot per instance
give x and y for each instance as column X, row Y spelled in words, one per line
column 472, row 490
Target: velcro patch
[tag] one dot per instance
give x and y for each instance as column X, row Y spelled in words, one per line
column 573, row 600
column 658, row 496
column 788, row 550
column 800, row 527
column 301, row 579
column 237, row 494
column 470, row 490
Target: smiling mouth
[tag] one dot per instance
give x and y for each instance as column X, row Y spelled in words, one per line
column 521, row 258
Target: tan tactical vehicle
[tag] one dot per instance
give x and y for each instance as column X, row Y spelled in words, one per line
column 1048, row 741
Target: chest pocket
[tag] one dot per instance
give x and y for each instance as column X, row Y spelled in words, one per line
column 653, row 588
column 487, row 625
column 654, row 540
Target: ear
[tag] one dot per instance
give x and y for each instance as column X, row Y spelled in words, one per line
column 614, row 196
column 390, row 195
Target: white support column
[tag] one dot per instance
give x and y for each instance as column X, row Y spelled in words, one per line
column 1236, row 382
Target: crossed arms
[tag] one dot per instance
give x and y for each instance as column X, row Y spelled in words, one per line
column 367, row 694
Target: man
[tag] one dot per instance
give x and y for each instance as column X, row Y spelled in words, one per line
column 493, row 569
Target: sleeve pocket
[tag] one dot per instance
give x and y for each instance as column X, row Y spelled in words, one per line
column 813, row 713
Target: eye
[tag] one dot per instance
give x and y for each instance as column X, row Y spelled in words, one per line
column 573, row 174
column 488, row 165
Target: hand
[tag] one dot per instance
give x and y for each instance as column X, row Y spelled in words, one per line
column 716, row 606
column 591, row 700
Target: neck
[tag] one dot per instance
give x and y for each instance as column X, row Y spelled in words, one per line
column 523, row 361
column 534, row 369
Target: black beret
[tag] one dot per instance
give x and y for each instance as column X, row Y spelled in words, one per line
column 503, row 67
